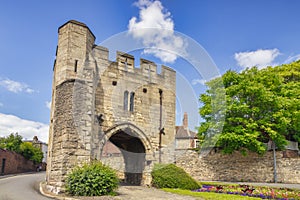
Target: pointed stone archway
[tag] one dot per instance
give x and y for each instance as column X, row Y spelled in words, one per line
column 136, row 150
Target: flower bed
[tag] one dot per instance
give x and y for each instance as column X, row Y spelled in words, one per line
column 246, row 190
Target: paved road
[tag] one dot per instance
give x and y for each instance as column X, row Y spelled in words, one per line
column 22, row 187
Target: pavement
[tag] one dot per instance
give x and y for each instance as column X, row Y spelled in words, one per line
column 22, row 187
column 11, row 175
column 126, row 192
column 139, row 192
column 32, row 186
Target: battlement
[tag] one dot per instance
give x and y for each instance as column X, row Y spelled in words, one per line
column 76, row 45
column 126, row 63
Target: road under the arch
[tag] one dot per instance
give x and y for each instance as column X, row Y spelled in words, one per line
column 134, row 154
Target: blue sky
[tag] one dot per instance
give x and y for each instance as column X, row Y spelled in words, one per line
column 236, row 34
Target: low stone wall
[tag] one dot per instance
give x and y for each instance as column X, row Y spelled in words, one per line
column 117, row 163
column 13, row 163
column 236, row 167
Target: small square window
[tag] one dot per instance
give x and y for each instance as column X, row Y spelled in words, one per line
column 114, row 83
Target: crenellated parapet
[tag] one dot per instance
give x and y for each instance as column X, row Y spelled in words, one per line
column 126, row 63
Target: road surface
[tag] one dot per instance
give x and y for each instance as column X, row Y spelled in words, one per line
column 22, row 187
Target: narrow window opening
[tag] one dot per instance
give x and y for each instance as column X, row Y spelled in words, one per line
column 75, row 66
column 131, row 101
column 56, row 50
column 145, row 90
column 125, row 107
column 114, row 83
column 54, row 64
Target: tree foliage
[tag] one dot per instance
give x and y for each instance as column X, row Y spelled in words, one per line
column 261, row 105
column 31, row 152
column 11, row 142
column 14, row 142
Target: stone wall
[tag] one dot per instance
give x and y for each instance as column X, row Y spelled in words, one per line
column 117, row 163
column 67, row 149
column 66, row 145
column 14, row 163
column 236, row 167
column 145, row 83
column 89, row 107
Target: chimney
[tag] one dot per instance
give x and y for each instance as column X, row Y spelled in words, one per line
column 185, row 122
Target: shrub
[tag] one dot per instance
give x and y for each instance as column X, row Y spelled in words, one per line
column 171, row 176
column 93, row 179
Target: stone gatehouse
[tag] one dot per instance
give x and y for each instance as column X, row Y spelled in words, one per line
column 95, row 100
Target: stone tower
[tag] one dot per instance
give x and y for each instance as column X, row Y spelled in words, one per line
column 95, row 100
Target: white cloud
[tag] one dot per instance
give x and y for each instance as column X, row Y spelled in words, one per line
column 26, row 128
column 198, row 81
column 48, row 104
column 155, row 28
column 260, row 58
column 15, row 87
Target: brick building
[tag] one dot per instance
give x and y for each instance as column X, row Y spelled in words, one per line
column 13, row 163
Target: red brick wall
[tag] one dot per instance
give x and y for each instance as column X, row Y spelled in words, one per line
column 15, row 163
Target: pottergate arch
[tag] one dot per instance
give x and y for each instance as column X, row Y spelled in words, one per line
column 136, row 149
column 96, row 101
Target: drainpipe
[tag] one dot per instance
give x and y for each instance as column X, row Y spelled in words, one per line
column 161, row 129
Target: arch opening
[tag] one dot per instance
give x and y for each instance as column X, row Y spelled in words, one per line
column 133, row 152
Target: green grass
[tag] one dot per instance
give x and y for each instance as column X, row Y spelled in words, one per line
column 209, row 195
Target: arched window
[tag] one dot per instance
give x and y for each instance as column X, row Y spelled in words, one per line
column 131, row 101
column 126, row 100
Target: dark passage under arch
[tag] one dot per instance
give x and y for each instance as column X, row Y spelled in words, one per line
column 134, row 155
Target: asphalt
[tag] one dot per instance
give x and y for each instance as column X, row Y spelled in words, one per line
column 22, row 187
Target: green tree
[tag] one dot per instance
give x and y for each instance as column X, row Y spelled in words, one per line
column 262, row 105
column 14, row 142
column 31, row 152
column 11, row 142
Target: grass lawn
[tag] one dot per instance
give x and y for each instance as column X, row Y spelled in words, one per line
column 209, row 195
